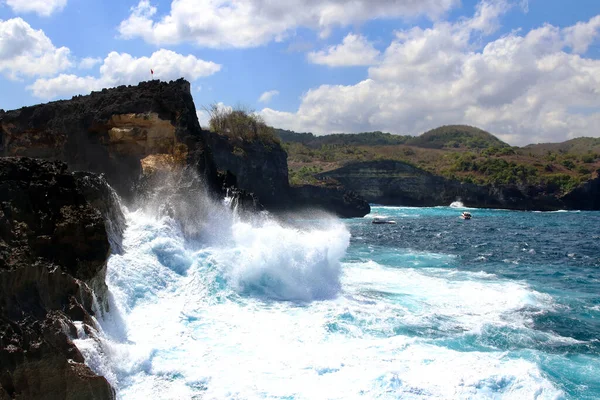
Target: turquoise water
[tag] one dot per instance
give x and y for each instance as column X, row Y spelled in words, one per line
column 504, row 306
column 555, row 257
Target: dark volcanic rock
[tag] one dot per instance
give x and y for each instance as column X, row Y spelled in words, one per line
column 111, row 131
column 342, row 202
column 586, row 196
column 54, row 247
column 258, row 167
column 397, row 183
column 261, row 168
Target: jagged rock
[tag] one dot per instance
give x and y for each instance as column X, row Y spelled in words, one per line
column 261, row 168
column 112, row 131
column 258, row 167
column 129, row 132
column 54, row 247
column 586, row 196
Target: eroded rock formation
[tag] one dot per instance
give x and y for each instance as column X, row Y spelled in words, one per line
column 397, row 183
column 112, row 131
column 54, row 246
column 261, row 167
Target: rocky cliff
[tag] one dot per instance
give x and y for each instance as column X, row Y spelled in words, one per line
column 260, row 166
column 56, row 230
column 117, row 132
column 130, row 132
column 398, row 183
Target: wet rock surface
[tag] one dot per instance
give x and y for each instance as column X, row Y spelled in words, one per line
column 54, row 245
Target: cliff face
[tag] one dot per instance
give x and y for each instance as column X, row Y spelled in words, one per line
column 261, row 168
column 54, row 246
column 115, row 132
column 586, row 196
column 131, row 132
column 398, row 183
column 258, row 167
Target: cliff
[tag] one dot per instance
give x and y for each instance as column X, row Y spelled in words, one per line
column 397, row 183
column 260, row 166
column 131, row 132
column 56, row 233
column 117, row 132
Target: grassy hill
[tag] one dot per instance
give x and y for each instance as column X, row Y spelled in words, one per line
column 355, row 139
column 579, row 146
column 450, row 136
column 464, row 153
column 457, row 136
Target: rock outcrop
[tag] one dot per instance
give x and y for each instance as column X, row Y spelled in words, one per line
column 130, row 132
column 586, row 196
column 54, row 246
column 396, row 183
column 113, row 132
column 260, row 167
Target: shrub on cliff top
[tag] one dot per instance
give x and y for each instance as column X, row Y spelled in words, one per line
column 240, row 124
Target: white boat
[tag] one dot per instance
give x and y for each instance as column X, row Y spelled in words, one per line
column 381, row 220
column 466, row 215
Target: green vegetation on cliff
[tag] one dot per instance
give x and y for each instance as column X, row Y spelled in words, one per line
column 240, row 124
column 463, row 153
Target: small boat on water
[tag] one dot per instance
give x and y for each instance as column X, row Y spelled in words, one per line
column 381, row 220
column 466, row 215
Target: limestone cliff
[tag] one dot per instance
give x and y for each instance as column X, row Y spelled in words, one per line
column 130, row 132
column 397, row 183
column 116, row 132
column 261, row 167
column 54, row 246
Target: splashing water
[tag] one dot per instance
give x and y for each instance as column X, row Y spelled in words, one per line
column 268, row 310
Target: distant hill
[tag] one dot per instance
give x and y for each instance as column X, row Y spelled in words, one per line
column 342, row 139
column 579, row 146
column 444, row 137
column 464, row 153
column 457, row 136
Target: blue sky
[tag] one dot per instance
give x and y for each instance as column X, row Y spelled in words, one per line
column 528, row 71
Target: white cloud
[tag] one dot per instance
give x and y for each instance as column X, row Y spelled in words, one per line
column 89, row 62
column 523, row 87
column 354, row 50
column 268, row 96
column 42, row 7
column 122, row 68
column 580, row 36
column 249, row 23
column 26, row 52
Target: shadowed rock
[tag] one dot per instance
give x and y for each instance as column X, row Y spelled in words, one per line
column 112, row 131
column 54, row 247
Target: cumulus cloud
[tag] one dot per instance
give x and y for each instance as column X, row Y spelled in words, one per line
column 249, row 23
column 268, row 96
column 580, row 36
column 89, row 62
column 26, row 52
column 122, row 68
column 524, row 87
column 354, row 50
column 44, row 8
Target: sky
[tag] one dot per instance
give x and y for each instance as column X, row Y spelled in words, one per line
column 527, row 71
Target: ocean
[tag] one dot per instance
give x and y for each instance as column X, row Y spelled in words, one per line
column 503, row 306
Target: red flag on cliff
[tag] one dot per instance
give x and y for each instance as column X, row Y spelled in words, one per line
column 152, row 71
